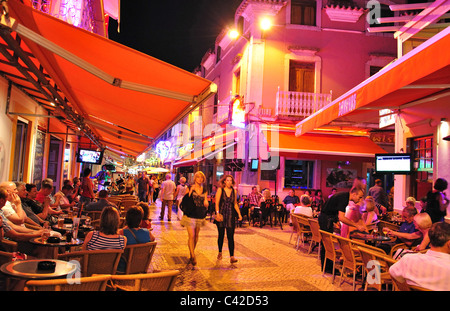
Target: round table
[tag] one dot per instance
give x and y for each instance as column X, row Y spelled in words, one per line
column 67, row 245
column 28, row 269
column 368, row 237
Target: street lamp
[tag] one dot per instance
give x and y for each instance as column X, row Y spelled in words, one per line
column 265, row 23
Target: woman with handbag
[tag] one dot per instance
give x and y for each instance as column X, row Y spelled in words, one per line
column 226, row 210
column 194, row 206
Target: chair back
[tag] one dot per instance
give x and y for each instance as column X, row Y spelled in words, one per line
column 347, row 251
column 126, row 204
column 138, row 257
column 94, row 215
column 295, row 224
column 158, row 281
column 5, row 257
column 92, row 283
column 315, row 229
column 95, row 262
column 328, row 244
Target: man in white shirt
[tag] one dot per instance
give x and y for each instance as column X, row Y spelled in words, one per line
column 305, row 207
column 13, row 207
column 432, row 269
column 168, row 188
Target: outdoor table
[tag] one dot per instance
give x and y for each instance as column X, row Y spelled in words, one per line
column 55, row 246
column 28, row 269
column 368, row 237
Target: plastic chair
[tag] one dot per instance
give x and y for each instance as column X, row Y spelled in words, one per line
column 138, row 257
column 95, row 262
column 331, row 252
column 158, row 281
column 92, row 283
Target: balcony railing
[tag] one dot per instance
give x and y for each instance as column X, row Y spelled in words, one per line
column 300, row 104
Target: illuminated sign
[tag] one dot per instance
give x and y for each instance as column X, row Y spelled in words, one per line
column 238, row 112
column 163, row 149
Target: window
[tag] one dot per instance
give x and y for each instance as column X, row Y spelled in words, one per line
column 298, row 174
column 303, row 12
column 374, row 69
column 20, row 151
column 423, row 154
column 301, row 76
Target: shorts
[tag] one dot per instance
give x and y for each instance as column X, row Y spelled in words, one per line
column 192, row 222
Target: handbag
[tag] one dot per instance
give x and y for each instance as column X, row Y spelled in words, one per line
column 218, row 218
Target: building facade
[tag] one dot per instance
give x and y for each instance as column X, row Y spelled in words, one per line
column 310, row 53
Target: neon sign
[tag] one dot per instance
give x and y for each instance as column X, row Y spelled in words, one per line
column 163, row 149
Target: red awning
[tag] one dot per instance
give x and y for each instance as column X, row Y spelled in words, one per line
column 356, row 146
column 417, row 85
column 110, row 84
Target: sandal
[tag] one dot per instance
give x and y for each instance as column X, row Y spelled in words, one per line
column 233, row 260
column 219, row 256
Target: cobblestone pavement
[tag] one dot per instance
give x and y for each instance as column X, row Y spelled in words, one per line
column 267, row 261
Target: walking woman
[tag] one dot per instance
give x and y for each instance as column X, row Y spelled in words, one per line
column 226, row 210
column 194, row 206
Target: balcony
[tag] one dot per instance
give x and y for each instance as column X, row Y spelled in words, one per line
column 299, row 104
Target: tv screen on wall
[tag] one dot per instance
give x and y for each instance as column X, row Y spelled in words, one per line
column 90, row 156
column 393, row 163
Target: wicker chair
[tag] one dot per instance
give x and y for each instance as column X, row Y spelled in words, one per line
column 315, row 231
column 304, row 229
column 95, row 262
column 138, row 257
column 92, row 283
column 295, row 230
column 382, row 276
column 158, row 281
column 331, row 252
column 351, row 260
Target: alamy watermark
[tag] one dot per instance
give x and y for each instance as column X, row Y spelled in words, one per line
column 374, row 12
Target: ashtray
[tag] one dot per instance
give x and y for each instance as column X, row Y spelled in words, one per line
column 46, row 265
column 53, row 239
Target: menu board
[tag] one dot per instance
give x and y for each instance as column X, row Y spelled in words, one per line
column 39, row 158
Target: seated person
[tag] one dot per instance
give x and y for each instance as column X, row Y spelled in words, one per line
column 304, row 208
column 13, row 206
column 107, row 237
column 410, row 202
column 266, row 207
column 407, row 233
column 146, row 221
column 289, row 202
column 434, row 271
column 44, row 194
column 133, row 232
column 370, row 217
column 245, row 207
column 100, row 203
column 353, row 213
column 23, row 194
column 62, row 198
column 422, row 223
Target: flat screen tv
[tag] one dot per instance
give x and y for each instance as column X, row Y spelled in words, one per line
column 89, row 156
column 393, row 163
column 254, row 165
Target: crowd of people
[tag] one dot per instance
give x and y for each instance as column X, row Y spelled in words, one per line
column 24, row 212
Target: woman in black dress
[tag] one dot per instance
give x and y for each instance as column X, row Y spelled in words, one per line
column 226, row 210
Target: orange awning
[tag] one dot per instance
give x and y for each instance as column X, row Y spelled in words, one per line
column 110, row 84
column 356, row 146
column 416, row 85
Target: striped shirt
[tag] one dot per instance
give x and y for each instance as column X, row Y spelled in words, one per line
column 98, row 242
column 430, row 270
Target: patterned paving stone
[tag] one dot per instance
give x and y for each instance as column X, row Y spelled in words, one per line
column 267, row 261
